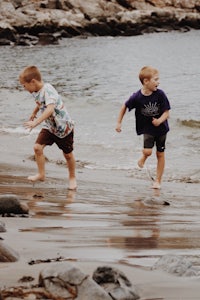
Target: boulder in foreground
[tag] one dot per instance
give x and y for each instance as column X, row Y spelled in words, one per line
column 10, row 204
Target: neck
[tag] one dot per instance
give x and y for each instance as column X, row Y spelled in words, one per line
column 146, row 92
column 39, row 86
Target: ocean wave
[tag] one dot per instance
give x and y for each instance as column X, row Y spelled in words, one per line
column 190, row 123
column 18, row 130
column 93, row 166
column 184, row 179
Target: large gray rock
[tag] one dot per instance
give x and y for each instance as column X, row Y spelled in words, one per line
column 10, row 204
column 115, row 283
column 7, row 254
column 67, row 281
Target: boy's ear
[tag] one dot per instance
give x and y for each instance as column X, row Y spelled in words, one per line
column 145, row 80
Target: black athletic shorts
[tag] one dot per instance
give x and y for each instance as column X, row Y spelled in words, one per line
column 150, row 141
column 47, row 138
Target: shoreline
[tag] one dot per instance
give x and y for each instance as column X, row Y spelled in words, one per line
column 45, row 233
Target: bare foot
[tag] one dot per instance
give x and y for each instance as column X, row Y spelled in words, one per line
column 141, row 162
column 72, row 184
column 35, row 178
column 156, row 185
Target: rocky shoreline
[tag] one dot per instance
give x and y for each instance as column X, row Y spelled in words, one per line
column 31, row 22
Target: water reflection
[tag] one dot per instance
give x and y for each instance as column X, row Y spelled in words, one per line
column 43, row 204
column 141, row 228
column 144, row 221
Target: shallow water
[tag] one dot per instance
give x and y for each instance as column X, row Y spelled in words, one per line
column 95, row 76
column 106, row 221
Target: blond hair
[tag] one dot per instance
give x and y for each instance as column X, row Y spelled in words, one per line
column 147, row 72
column 30, row 73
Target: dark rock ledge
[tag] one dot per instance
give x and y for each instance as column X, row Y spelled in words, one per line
column 31, row 22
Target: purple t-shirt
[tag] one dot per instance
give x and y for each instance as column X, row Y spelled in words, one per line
column 146, row 108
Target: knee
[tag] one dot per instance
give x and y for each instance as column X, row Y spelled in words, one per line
column 68, row 156
column 38, row 149
column 147, row 152
column 160, row 154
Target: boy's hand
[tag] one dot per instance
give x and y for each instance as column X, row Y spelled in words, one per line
column 30, row 124
column 118, row 127
column 32, row 117
column 156, row 122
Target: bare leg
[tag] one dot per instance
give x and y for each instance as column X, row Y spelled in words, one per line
column 71, row 164
column 160, row 169
column 145, row 154
column 40, row 160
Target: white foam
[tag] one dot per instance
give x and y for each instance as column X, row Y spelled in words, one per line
column 19, row 130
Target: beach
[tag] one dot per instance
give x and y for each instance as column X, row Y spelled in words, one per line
column 114, row 217
column 89, row 230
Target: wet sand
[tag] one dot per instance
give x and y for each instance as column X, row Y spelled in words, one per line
column 113, row 218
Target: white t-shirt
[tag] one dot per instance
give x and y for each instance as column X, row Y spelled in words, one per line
column 59, row 123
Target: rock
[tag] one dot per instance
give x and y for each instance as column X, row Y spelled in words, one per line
column 5, row 42
column 10, row 204
column 47, row 38
column 26, row 40
column 2, row 227
column 174, row 264
column 7, row 32
column 7, row 254
column 115, row 283
column 67, row 281
column 155, row 201
column 100, row 17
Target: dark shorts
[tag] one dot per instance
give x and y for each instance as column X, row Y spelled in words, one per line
column 150, row 141
column 47, row 138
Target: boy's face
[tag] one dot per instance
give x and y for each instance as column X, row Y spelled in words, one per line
column 152, row 83
column 29, row 86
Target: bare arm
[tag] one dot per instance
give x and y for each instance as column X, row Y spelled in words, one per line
column 120, row 118
column 45, row 115
column 163, row 118
column 34, row 113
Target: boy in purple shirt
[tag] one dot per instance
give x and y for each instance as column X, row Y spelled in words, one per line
column 151, row 112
